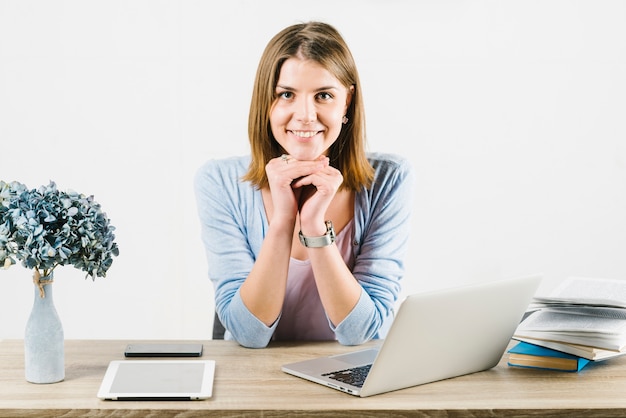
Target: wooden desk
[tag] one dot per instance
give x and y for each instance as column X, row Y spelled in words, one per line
column 249, row 382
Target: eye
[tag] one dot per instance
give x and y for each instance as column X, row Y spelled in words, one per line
column 285, row 95
column 324, row 96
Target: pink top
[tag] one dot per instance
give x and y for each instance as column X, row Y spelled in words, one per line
column 303, row 317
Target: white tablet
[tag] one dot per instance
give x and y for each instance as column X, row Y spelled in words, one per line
column 158, row 380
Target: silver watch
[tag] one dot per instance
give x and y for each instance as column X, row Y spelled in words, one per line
column 317, row 242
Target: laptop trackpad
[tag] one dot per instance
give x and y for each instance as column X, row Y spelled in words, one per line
column 358, row 357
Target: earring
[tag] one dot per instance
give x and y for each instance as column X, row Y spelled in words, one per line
column 344, row 120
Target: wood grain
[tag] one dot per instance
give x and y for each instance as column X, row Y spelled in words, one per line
column 249, row 382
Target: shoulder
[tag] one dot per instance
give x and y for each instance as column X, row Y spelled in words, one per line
column 390, row 166
column 228, row 165
column 394, row 179
column 224, row 170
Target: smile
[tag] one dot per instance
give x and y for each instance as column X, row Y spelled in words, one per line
column 304, row 134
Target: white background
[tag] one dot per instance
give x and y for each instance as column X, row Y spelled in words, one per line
column 512, row 112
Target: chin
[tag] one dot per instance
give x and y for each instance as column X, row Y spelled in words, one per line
column 305, row 155
column 308, row 157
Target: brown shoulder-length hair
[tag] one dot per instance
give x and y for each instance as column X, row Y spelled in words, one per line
column 322, row 43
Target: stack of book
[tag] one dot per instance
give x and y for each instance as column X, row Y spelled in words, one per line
column 585, row 317
column 537, row 357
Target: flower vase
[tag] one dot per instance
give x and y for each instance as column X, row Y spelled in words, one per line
column 44, row 360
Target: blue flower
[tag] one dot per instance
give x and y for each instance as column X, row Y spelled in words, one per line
column 44, row 228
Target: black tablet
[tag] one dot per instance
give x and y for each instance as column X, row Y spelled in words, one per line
column 163, row 350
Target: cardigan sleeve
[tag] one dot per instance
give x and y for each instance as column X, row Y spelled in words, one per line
column 228, row 224
column 382, row 241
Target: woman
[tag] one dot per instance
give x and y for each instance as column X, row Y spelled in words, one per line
column 305, row 238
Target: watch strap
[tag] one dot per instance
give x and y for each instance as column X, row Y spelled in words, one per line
column 322, row 241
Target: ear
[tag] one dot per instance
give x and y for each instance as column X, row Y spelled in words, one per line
column 349, row 98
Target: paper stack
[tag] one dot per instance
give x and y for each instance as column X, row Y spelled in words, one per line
column 585, row 317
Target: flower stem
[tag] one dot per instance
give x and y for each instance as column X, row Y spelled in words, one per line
column 40, row 283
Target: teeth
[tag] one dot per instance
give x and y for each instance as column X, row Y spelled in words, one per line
column 304, row 134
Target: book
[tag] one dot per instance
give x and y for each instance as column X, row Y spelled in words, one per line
column 587, row 292
column 586, row 312
column 575, row 328
column 528, row 355
column 590, row 353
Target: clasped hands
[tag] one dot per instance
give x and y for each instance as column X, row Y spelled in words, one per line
column 303, row 187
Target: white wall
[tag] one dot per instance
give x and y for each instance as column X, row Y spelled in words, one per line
column 511, row 111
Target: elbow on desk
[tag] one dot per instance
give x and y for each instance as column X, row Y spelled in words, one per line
column 252, row 344
column 352, row 341
column 250, row 340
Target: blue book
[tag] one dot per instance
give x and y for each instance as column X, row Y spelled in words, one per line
column 534, row 356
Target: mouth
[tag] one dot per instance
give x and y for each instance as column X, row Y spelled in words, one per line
column 305, row 134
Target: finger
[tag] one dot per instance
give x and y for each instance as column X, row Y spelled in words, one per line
column 297, row 168
column 329, row 178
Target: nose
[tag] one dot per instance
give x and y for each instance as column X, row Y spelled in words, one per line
column 305, row 111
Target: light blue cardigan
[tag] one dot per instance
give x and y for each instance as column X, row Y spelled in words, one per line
column 234, row 224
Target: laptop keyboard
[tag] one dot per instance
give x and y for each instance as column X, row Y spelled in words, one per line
column 354, row 376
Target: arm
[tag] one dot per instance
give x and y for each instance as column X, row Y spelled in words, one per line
column 382, row 217
column 232, row 225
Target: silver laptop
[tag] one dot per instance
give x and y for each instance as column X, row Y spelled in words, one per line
column 435, row 335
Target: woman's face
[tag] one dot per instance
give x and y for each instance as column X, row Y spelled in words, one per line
column 306, row 116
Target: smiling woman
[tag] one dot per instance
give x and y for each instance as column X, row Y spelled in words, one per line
column 310, row 108
column 306, row 238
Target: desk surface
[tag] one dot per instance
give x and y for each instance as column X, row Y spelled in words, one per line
column 249, row 382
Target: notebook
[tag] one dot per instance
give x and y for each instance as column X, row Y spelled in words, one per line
column 435, row 335
column 138, row 380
